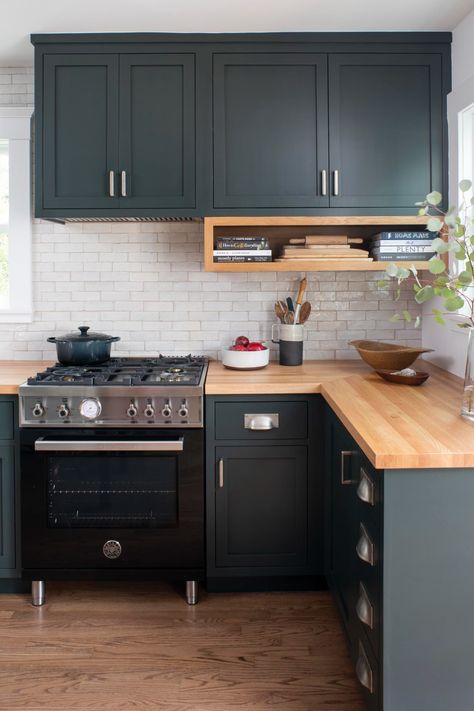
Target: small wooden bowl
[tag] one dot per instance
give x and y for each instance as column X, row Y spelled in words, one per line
column 387, row 356
column 417, row 379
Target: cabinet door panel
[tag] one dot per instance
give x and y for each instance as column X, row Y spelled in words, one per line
column 385, row 128
column 270, row 130
column 261, row 506
column 157, row 129
column 80, row 130
column 7, row 508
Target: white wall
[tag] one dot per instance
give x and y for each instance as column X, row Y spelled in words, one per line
column 450, row 342
column 146, row 284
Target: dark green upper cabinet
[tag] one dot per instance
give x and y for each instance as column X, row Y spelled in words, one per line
column 80, row 124
column 270, row 130
column 385, row 129
column 157, row 143
column 169, row 125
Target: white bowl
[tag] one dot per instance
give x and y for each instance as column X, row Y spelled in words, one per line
column 245, row 360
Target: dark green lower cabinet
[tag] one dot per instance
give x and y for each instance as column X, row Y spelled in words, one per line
column 9, row 484
column 261, row 506
column 264, row 488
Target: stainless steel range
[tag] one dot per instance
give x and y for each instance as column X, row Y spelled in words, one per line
column 112, row 460
column 125, row 392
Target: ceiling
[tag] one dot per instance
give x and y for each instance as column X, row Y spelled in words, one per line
column 30, row 16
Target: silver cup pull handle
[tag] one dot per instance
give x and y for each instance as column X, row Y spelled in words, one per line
column 365, row 548
column 363, row 670
column 262, row 422
column 364, row 609
column 366, row 488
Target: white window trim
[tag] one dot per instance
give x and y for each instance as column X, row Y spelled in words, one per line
column 15, row 126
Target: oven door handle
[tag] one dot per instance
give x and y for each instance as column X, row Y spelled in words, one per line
column 103, row 445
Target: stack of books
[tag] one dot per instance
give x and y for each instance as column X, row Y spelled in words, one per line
column 333, row 247
column 242, row 249
column 405, row 246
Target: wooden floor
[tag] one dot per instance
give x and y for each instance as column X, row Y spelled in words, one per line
column 122, row 647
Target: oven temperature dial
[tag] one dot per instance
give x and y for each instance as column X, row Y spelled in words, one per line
column 132, row 410
column 149, row 411
column 38, row 410
column 90, row 408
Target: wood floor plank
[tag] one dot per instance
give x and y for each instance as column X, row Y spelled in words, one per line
column 111, row 647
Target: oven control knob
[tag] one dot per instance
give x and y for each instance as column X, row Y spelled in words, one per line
column 63, row 411
column 183, row 410
column 132, row 410
column 90, row 408
column 166, row 411
column 38, row 410
column 149, row 411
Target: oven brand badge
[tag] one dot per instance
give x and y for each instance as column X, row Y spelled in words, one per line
column 112, row 549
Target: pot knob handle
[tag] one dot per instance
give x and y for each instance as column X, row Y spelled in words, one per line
column 83, row 330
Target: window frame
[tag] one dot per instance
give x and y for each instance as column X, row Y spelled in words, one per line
column 15, row 127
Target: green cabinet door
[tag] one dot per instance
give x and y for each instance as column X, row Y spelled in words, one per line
column 261, row 504
column 270, row 130
column 385, row 129
column 157, row 131
column 78, row 144
column 7, row 508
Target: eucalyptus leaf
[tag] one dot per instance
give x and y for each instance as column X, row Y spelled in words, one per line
column 465, row 186
column 436, row 265
column 394, row 318
column 391, row 270
column 450, row 220
column 439, row 245
column 407, row 316
column 417, row 322
column 460, row 254
column 403, row 273
column 464, row 325
column 424, row 294
column 465, row 277
column 434, row 198
column 459, row 231
column 434, row 224
column 438, row 317
column 453, row 303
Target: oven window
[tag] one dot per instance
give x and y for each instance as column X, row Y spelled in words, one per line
column 112, row 491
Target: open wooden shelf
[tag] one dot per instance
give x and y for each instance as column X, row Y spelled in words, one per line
column 280, row 229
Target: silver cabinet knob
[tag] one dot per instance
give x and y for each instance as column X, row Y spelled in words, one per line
column 365, row 547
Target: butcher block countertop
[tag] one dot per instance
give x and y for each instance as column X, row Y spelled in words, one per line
column 396, row 426
column 14, row 372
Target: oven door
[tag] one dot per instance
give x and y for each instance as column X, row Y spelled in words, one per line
column 112, row 500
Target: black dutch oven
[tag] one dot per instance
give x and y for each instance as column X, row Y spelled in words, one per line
column 83, row 348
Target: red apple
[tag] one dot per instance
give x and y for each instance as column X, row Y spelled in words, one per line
column 238, row 347
column 255, row 346
column 242, row 341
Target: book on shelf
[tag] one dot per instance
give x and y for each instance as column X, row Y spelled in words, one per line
column 242, row 252
column 327, row 252
column 238, row 258
column 397, row 257
column 402, row 243
column 413, row 236
column 403, row 249
column 246, row 242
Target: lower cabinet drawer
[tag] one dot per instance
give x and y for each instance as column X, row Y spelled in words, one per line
column 367, row 612
column 367, row 672
column 261, row 420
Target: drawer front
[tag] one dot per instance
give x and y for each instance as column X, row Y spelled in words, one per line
column 6, row 420
column 367, row 610
column 261, row 421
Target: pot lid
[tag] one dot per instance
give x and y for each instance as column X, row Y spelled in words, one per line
column 85, row 335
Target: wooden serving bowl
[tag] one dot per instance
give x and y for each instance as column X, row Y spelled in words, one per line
column 417, row 379
column 387, row 356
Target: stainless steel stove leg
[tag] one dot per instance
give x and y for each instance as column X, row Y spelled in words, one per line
column 191, row 592
column 38, row 593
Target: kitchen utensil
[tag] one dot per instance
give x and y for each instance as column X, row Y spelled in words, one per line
column 284, row 306
column 290, row 304
column 83, row 348
column 245, row 360
column 280, row 312
column 290, row 340
column 299, row 298
column 304, row 312
column 393, row 377
column 290, row 318
column 387, row 356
